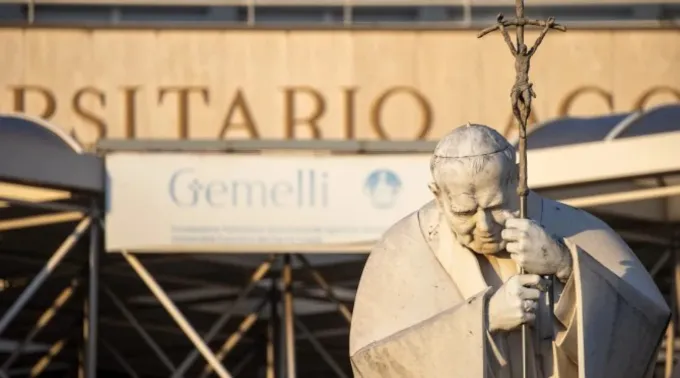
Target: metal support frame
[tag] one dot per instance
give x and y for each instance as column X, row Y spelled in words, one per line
column 235, row 337
column 289, row 316
column 660, row 263
column 281, row 291
column 119, row 358
column 670, row 335
column 256, row 277
column 92, row 331
column 52, row 206
column 176, row 314
column 82, row 344
column 276, row 340
column 282, row 295
column 344, row 310
column 319, row 348
column 41, row 323
column 243, row 363
column 45, row 272
column 42, row 364
column 270, row 368
column 675, row 302
column 138, row 327
column 88, row 219
column 281, row 362
column 60, row 213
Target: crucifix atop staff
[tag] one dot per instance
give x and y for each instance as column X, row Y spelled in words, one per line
column 521, row 95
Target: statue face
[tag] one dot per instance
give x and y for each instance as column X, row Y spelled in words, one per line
column 476, row 202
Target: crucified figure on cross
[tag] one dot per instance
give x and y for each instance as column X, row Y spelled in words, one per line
column 522, row 91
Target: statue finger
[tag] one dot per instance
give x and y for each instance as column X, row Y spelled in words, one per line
column 529, row 293
column 528, row 280
column 505, row 215
column 518, row 223
column 512, row 235
column 529, row 305
column 514, row 249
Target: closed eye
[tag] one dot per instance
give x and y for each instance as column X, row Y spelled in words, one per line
column 465, row 213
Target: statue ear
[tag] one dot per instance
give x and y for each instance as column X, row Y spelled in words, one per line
column 434, row 188
column 436, row 191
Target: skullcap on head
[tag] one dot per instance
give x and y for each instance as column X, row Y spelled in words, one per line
column 469, row 141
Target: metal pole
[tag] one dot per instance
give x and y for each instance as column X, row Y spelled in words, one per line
column 243, row 363
column 289, row 316
column 25, row 371
column 270, row 368
column 322, row 351
column 275, row 323
column 660, row 264
column 83, row 342
column 670, row 336
column 176, row 315
column 347, row 12
column 55, row 349
column 42, row 322
column 467, row 13
column 51, row 206
column 675, row 302
column 344, row 310
column 93, row 303
column 31, row 12
column 119, row 358
column 38, row 280
column 259, row 273
column 235, row 337
column 250, row 13
column 142, row 332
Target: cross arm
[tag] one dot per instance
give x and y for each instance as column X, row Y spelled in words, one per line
column 518, row 22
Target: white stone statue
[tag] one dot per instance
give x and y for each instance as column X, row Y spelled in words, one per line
column 440, row 295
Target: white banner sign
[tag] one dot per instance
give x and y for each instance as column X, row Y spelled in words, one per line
column 181, row 202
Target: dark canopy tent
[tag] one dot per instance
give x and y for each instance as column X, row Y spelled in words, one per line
column 616, row 166
column 38, row 154
column 569, row 131
column 49, row 190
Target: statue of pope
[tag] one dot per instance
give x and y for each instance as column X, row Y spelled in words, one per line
column 441, row 296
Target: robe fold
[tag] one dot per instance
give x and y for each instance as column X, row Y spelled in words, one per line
column 420, row 306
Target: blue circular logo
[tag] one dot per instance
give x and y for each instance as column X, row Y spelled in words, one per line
column 382, row 187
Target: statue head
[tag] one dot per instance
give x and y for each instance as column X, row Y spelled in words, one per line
column 523, row 49
column 474, row 183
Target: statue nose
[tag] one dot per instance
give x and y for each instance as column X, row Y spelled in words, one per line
column 483, row 221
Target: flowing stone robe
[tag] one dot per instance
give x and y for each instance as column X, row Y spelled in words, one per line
column 420, row 308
